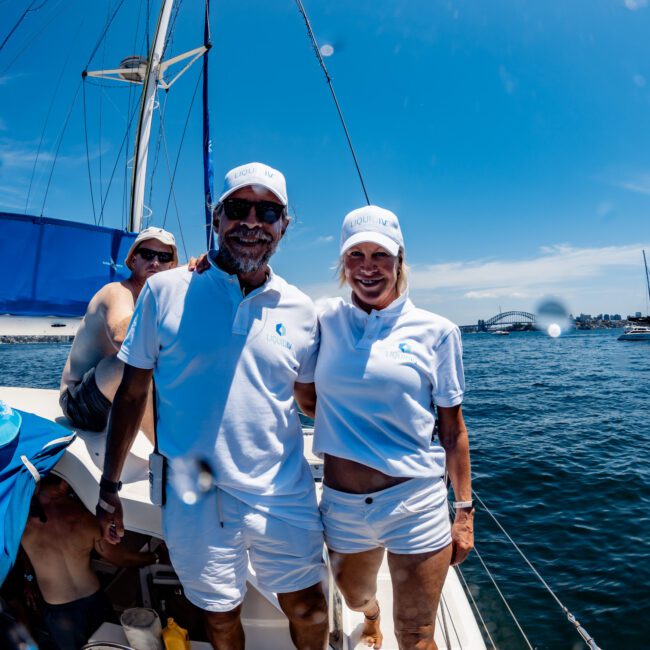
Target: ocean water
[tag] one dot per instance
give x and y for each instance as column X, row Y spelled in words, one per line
column 560, row 433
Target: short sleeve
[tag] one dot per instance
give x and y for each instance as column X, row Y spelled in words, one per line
column 448, row 376
column 141, row 346
column 309, row 357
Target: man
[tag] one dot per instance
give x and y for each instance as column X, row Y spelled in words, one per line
column 229, row 349
column 58, row 540
column 93, row 372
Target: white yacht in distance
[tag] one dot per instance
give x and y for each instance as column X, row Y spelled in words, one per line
column 635, row 333
column 640, row 328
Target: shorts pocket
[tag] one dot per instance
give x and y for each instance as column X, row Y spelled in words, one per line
column 423, row 501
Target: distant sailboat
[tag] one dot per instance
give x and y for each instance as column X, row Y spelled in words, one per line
column 640, row 329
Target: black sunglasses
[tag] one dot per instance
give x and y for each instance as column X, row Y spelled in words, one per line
column 265, row 211
column 148, row 254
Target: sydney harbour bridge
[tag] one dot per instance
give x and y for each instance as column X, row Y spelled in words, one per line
column 507, row 320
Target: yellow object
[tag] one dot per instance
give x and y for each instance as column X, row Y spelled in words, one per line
column 175, row 637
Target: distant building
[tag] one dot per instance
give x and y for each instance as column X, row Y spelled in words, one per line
column 599, row 317
column 637, row 314
column 606, row 317
column 616, row 317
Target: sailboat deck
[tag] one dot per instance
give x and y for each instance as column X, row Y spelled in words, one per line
column 265, row 625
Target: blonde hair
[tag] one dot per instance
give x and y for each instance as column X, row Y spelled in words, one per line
column 402, row 272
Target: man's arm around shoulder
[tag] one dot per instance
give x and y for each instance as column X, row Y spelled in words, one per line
column 126, row 414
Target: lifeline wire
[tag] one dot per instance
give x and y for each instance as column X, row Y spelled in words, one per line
column 20, row 20
column 301, row 8
column 587, row 638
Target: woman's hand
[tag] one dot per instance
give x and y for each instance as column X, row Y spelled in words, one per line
column 199, row 264
column 462, row 536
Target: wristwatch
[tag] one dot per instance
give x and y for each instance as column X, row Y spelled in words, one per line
column 112, row 487
column 463, row 505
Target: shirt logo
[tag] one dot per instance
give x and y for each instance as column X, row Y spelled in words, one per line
column 277, row 337
column 402, row 354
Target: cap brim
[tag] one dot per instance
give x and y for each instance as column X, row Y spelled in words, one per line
column 9, row 427
column 373, row 238
column 281, row 198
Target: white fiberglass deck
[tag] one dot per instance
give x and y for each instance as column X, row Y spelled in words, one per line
column 265, row 625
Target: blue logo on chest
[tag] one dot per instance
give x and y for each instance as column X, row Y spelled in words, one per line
column 277, row 338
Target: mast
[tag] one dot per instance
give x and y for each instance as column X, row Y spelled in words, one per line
column 150, row 73
column 146, row 115
column 647, row 277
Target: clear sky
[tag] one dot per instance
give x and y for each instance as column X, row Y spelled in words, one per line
column 512, row 138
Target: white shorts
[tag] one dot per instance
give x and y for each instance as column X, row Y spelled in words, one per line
column 212, row 561
column 408, row 518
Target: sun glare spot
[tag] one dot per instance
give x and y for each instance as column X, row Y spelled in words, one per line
column 189, row 497
column 554, row 330
column 326, row 50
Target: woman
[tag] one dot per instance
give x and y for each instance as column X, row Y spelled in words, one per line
column 385, row 368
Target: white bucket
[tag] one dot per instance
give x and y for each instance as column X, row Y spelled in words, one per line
column 142, row 628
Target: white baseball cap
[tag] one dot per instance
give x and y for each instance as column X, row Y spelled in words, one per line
column 255, row 174
column 372, row 224
column 163, row 236
column 10, row 421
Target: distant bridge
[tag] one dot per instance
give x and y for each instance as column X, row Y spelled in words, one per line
column 506, row 319
column 510, row 318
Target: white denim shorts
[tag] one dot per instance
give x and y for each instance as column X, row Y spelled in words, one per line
column 212, row 561
column 408, row 518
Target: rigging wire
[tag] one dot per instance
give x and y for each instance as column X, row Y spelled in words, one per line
column 117, row 159
column 47, row 118
column 301, row 9
column 468, row 591
column 180, row 146
column 103, row 34
column 172, row 29
column 587, row 638
column 90, row 177
column 30, row 40
column 29, row 9
column 156, row 156
column 58, row 146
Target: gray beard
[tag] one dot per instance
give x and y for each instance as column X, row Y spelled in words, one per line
column 244, row 264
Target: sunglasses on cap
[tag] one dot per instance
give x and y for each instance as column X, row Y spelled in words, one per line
column 265, row 211
column 148, row 255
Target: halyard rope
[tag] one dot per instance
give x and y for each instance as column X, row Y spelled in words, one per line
column 301, row 8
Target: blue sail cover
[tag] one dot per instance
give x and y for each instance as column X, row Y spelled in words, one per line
column 41, row 443
column 51, row 267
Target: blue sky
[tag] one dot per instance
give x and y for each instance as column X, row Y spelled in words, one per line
column 511, row 138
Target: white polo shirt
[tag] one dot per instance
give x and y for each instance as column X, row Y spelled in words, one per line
column 378, row 377
column 225, row 367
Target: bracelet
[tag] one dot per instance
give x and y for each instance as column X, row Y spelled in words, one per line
column 112, row 487
column 460, row 505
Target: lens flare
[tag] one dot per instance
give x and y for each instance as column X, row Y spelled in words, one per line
column 552, row 316
column 554, row 330
column 327, row 50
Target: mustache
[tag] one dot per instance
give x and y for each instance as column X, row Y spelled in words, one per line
column 243, row 231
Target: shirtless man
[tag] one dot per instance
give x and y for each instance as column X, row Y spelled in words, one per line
column 93, row 372
column 59, row 550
